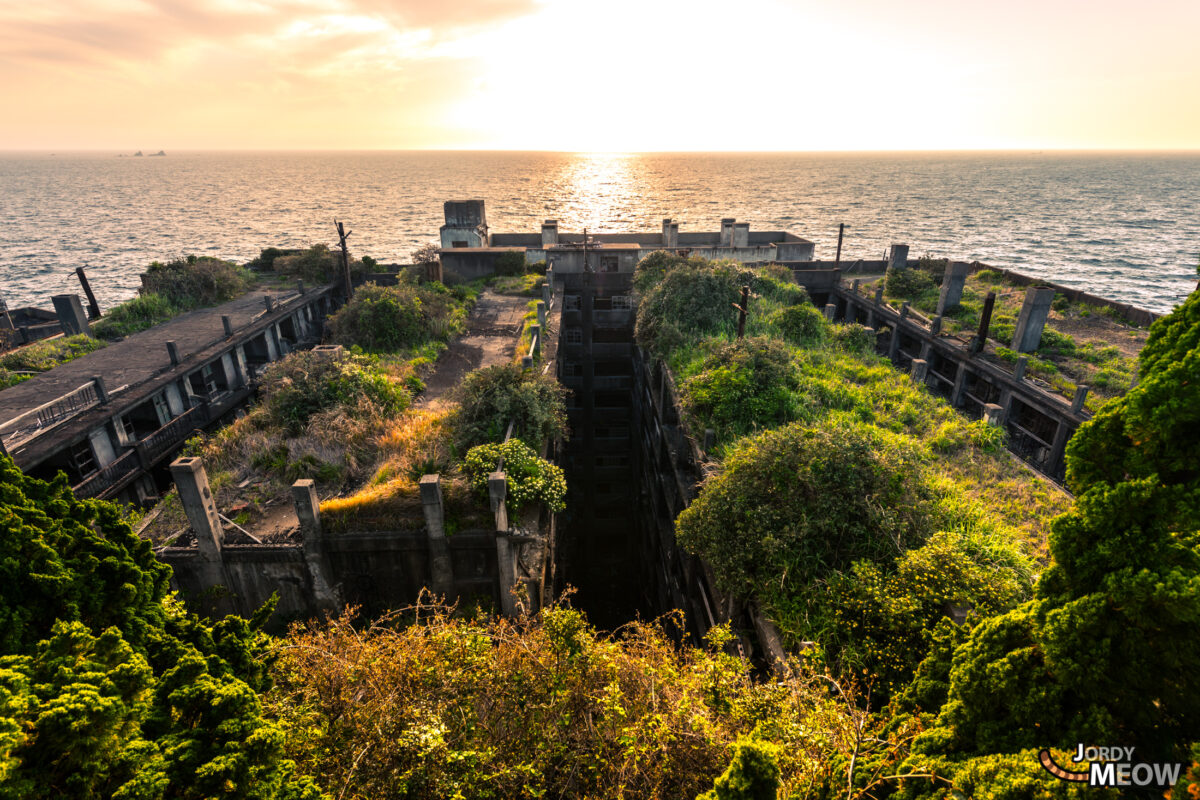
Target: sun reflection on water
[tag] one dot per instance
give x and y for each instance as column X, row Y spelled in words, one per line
column 602, row 192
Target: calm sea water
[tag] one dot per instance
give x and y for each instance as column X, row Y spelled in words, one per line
column 1126, row 226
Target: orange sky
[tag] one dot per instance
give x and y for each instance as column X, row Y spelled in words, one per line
column 617, row 75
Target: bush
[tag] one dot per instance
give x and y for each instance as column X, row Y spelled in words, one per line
column 489, row 398
column 196, row 281
column 511, row 263
column 305, row 383
column 390, row 319
column 800, row 324
column 528, row 478
column 742, row 386
column 688, row 300
column 265, row 262
column 853, row 338
column 907, row 283
column 136, row 314
column 807, row 502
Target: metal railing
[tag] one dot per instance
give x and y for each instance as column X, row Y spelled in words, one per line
column 170, row 435
column 33, row 423
column 116, row 472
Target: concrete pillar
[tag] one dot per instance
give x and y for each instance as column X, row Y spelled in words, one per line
column 1061, row 435
column 227, row 324
column 546, row 291
column 550, row 233
column 952, row 286
column 830, row 311
column 269, row 302
column 898, row 257
column 506, row 567
column 526, row 362
column 173, row 353
column 993, row 414
column 308, row 512
column 300, row 285
column 710, row 439
column 1028, row 333
column 441, row 566
column 670, row 234
column 1081, row 393
column 935, row 325
column 960, row 386
column 871, row 309
column 497, row 490
column 541, row 315
column 101, row 389
column 192, row 482
column 70, row 314
column 727, row 231
column 741, row 234
column 920, row 369
column 1019, row 368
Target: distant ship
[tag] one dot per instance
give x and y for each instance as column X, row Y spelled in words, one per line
column 138, row 153
column 159, row 153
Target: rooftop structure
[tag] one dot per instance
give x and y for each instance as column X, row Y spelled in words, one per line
column 470, row 249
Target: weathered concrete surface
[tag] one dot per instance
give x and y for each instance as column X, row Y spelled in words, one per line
column 1032, row 319
column 139, row 357
column 492, row 328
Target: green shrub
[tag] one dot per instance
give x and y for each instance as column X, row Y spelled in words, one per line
column 136, row 314
column 800, row 324
column 742, row 386
column 806, row 502
column 752, row 775
column 318, row 264
column 528, row 478
column 390, row 319
column 853, row 338
column 511, row 262
column 265, row 261
column 688, row 299
column 196, row 281
column 489, row 398
column 305, row 383
column 907, row 283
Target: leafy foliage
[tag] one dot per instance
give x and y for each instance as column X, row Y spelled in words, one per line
column 907, row 282
column 742, row 386
column 511, row 262
column 136, row 314
column 389, row 319
column 106, row 688
column 489, row 398
column 305, row 383
column 752, row 775
column 1106, row 650
column 801, row 323
column 196, row 281
column 528, row 478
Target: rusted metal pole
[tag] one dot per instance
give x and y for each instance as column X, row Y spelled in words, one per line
column 985, row 322
column 93, row 306
column 837, row 262
column 345, row 261
column 742, row 311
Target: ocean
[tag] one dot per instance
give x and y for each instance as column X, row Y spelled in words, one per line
column 1122, row 225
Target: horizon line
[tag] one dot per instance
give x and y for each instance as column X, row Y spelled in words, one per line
column 1032, row 150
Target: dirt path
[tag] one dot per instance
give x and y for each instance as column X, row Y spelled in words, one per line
column 492, row 331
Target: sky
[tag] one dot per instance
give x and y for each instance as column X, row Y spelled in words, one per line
column 599, row 75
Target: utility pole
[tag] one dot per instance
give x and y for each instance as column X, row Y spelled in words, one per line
column 342, row 234
column 93, row 306
column 742, row 311
column 838, row 260
column 985, row 321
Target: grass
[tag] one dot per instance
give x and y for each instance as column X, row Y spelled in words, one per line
column 22, row 364
column 1081, row 344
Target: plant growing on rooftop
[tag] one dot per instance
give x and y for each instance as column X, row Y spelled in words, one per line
column 196, row 281
column 136, row 314
column 489, row 398
column 743, row 385
column 305, row 383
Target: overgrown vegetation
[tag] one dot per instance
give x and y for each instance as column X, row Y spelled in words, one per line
column 172, row 288
column 529, row 479
column 1081, row 344
column 107, row 687
column 490, row 398
column 22, row 364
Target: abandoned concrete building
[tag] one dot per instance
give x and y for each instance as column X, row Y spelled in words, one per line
column 470, row 249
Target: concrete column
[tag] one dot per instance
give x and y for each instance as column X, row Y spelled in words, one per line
column 326, row 595
column 727, row 231
column 1081, row 393
column 70, row 314
column 526, row 362
column 192, row 482
column 741, row 234
column 920, row 369
column 227, row 324
column 541, row 315
column 993, row 414
column 1061, row 435
column 1028, row 333
column 101, row 389
column 670, row 234
column 173, row 353
column 952, row 286
column 497, row 490
column 830, row 311
column 506, row 567
column 935, row 325
column 269, row 302
column 535, row 337
column 1019, row 368
column 441, row 566
column 546, row 291
column 960, row 386
column 550, row 233
column 898, row 257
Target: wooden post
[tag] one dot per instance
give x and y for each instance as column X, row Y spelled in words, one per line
column 837, row 261
column 985, row 322
column 349, row 284
column 93, row 306
column 741, row 332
